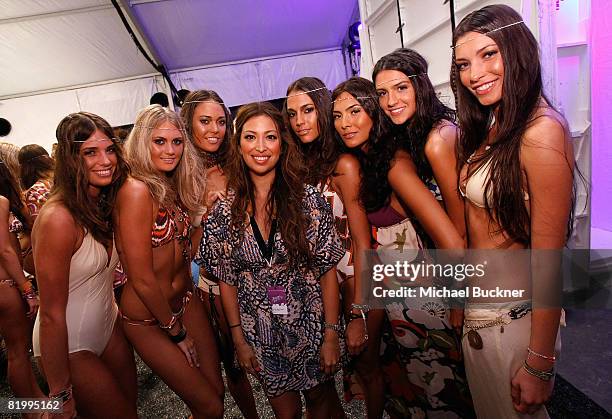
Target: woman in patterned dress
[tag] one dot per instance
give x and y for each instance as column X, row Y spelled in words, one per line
column 37, row 179
column 421, row 361
column 208, row 123
column 272, row 243
column 337, row 175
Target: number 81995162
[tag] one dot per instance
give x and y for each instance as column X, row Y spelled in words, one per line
column 24, row 405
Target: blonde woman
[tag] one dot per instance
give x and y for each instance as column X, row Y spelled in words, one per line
column 163, row 315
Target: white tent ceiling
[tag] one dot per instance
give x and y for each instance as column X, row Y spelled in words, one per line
column 57, row 44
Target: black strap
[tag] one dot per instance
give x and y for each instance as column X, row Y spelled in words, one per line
column 266, row 249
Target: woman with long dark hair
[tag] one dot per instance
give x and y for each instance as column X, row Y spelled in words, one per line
column 36, row 169
column 162, row 313
column 405, row 215
column 517, row 178
column 337, row 175
column 208, row 123
column 423, row 126
column 272, row 244
column 77, row 333
column 14, row 325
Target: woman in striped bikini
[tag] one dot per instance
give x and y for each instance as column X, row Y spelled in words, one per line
column 163, row 315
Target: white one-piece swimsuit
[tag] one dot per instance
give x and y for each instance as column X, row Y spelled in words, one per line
column 91, row 311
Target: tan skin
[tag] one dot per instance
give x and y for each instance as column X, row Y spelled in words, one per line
column 409, row 196
column 397, row 98
column 209, row 127
column 303, row 117
column 158, row 280
column 114, row 392
column 547, row 164
column 260, row 149
column 14, row 323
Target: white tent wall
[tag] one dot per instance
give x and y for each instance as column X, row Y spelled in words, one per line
column 565, row 57
column 35, row 118
column 263, row 79
column 426, row 29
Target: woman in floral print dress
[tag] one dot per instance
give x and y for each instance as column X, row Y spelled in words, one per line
column 273, row 245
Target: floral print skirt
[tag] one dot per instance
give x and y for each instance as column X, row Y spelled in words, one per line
column 422, row 363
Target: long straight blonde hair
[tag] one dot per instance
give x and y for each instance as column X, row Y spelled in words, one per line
column 183, row 182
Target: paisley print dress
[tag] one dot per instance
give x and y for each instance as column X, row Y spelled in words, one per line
column 287, row 346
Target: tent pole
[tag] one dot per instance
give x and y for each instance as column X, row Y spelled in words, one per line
column 159, row 67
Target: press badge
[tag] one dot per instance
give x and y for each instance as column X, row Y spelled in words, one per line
column 278, row 300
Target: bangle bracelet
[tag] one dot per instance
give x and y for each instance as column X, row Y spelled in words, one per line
column 333, row 326
column 179, row 337
column 64, row 395
column 170, row 324
column 362, row 307
column 363, row 314
column 549, row 358
column 542, row 375
column 231, row 326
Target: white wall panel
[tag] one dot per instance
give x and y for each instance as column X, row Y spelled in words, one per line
column 35, row 118
column 240, row 83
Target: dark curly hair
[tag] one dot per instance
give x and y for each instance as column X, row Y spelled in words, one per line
column 71, row 183
column 430, row 111
column 285, row 201
column 374, row 189
column 320, row 155
column 35, row 164
column 192, row 101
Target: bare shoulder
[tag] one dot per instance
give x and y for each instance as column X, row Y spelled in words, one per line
column 441, row 140
column 55, row 217
column 133, row 190
column 401, row 160
column 4, row 204
column 347, row 164
column 546, row 135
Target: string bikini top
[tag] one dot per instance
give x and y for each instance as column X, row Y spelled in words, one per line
column 165, row 228
column 473, row 186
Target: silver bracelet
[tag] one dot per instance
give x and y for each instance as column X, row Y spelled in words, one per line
column 542, row 375
column 333, row 326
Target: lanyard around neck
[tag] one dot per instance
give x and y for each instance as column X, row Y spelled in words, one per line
column 266, row 249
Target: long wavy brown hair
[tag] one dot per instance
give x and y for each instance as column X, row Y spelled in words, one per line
column 320, row 155
column 522, row 92
column 70, row 179
column 285, row 202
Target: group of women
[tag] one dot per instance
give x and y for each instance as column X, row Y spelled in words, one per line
column 279, row 209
